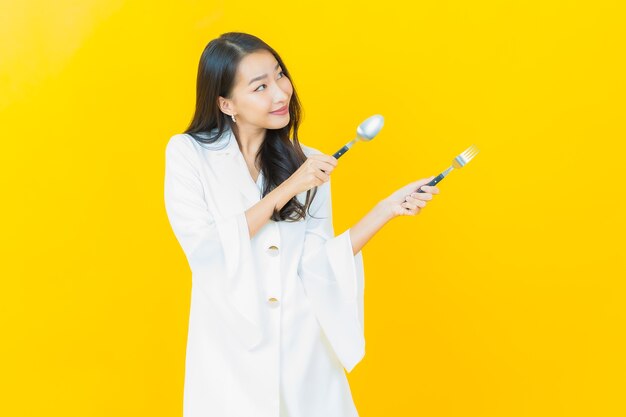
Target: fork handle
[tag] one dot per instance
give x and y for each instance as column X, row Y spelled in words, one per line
column 432, row 182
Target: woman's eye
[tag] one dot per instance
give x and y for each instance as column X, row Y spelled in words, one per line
column 257, row 89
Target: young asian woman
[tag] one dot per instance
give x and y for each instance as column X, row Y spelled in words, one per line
column 276, row 309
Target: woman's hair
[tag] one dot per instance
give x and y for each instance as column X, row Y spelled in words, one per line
column 278, row 157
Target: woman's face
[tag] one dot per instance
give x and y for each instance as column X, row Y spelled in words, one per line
column 260, row 89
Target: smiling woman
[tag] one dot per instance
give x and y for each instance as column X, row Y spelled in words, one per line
column 244, row 85
column 253, row 99
column 277, row 299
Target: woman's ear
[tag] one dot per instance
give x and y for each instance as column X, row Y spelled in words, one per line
column 225, row 105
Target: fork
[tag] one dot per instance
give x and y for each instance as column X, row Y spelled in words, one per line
column 458, row 162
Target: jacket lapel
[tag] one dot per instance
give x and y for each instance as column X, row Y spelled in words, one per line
column 231, row 170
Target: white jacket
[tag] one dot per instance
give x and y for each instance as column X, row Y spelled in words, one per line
column 275, row 319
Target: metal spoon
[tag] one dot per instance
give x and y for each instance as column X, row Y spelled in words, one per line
column 365, row 132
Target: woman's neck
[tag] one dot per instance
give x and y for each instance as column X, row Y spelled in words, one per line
column 249, row 139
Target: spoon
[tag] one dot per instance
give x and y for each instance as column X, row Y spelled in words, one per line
column 365, row 132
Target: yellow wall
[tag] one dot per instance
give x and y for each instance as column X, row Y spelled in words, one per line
column 504, row 297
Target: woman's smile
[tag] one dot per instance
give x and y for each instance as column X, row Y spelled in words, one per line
column 282, row 111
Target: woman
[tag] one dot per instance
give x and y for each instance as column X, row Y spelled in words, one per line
column 277, row 299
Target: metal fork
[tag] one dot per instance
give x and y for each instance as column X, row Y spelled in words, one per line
column 458, row 162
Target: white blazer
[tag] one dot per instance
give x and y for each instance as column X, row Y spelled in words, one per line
column 274, row 319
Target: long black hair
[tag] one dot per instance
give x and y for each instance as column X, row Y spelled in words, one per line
column 278, row 157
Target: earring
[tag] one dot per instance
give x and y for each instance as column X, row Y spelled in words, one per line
column 233, row 116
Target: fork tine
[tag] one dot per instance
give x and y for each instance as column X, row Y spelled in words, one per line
column 469, row 149
column 470, row 153
column 474, row 150
column 473, row 154
column 469, row 157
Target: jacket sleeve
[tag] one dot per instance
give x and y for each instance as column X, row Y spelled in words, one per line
column 216, row 248
column 333, row 279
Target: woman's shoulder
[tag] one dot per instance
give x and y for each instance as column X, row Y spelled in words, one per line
column 309, row 150
column 185, row 142
column 179, row 141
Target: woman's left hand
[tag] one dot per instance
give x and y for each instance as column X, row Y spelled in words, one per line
column 407, row 201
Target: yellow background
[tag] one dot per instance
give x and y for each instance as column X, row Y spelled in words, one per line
column 504, row 297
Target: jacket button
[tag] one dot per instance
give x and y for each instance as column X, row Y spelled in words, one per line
column 273, row 250
column 272, row 301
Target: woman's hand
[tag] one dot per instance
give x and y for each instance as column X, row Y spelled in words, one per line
column 312, row 173
column 407, row 201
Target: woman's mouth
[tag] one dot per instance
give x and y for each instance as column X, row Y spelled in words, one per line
column 282, row 111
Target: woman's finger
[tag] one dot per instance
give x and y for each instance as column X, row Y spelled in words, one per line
column 411, row 205
column 326, row 167
column 415, row 202
column 325, row 158
column 322, row 176
column 430, row 189
column 422, row 196
column 408, row 210
column 407, row 206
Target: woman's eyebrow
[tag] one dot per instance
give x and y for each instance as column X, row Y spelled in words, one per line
column 260, row 77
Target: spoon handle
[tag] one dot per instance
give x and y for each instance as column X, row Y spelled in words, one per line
column 341, row 151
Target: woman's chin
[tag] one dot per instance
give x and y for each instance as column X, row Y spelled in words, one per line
column 279, row 124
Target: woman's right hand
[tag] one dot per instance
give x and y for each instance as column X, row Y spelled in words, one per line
column 312, row 173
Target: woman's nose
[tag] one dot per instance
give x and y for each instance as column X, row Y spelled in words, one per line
column 280, row 94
